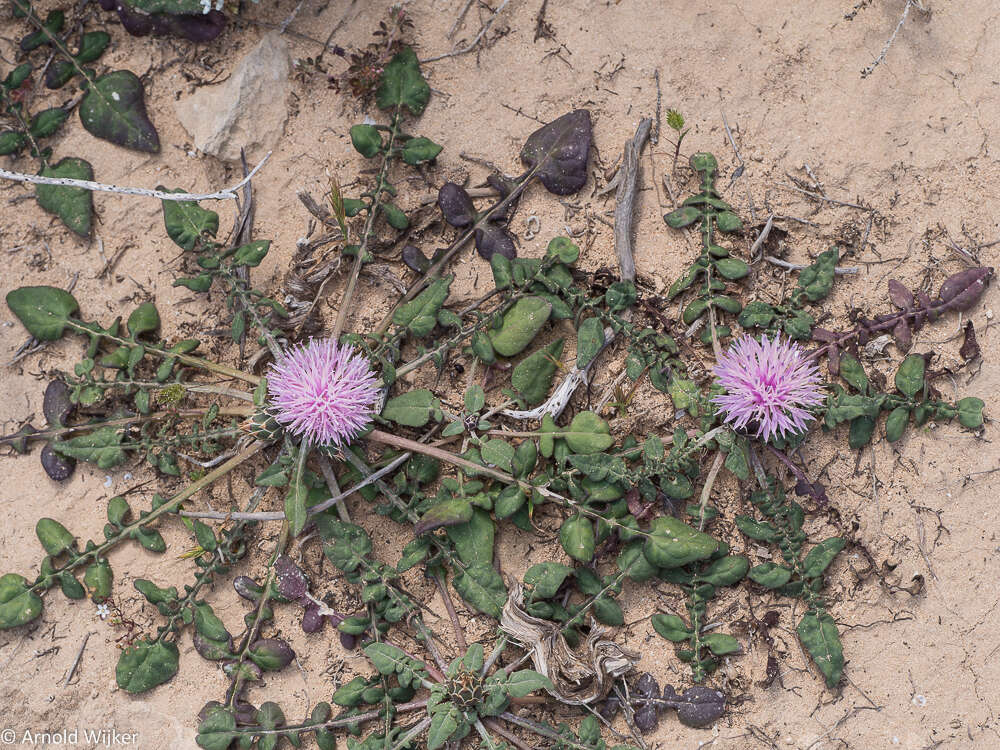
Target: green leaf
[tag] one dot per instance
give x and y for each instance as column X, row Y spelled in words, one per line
column 395, row 216
column 727, row 221
column 725, row 571
column 43, row 310
column 731, row 268
column 150, row 539
column 608, row 612
column 818, row 633
column 756, row 314
column 18, row 604
column 101, row 447
column 970, row 412
column 480, row 342
column 895, row 423
column 47, row 122
column 420, row 314
column 682, row 217
column 770, row 575
column 208, row 624
column 721, row 644
column 671, row 627
column 444, row 724
column 820, row 556
column 475, row 398
column 673, row 543
column 366, row 140
column 349, row 694
column 403, row 84
column 252, row 253
column 146, row 664
column 97, row 578
column 11, row 142
column 861, row 431
column 143, row 319
column 411, row 409
column 114, row 109
column 73, row 205
column 816, row 281
column 187, row 222
column 420, row 150
column 474, row 540
column 910, row 375
column 760, row 531
column 295, row 500
column 526, row 681
column 563, row 249
column 544, row 579
column 577, row 538
column 533, row 375
column 852, row 371
column 589, row 341
column 520, row 325
column 482, row 587
column 498, row 452
column 588, row 433
column 451, row 512
column 217, row 730
column 736, row 460
column 53, row 536
column 387, row 658
column 92, row 46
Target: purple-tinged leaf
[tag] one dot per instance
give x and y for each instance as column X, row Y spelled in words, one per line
column 271, row 654
column 557, row 153
column 970, row 346
column 248, row 588
column 58, row 468
column 964, row 288
column 646, row 718
column 456, row 205
column 700, row 706
column 903, row 335
column 211, row 649
column 492, row 238
column 289, row 580
column 348, row 641
column 647, row 686
column 56, row 404
column 415, row 260
column 900, row 296
column 609, row 708
column 312, row 620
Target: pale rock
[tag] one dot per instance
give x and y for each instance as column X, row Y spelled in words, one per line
column 247, row 110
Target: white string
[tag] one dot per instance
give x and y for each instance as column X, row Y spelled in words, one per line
column 227, row 194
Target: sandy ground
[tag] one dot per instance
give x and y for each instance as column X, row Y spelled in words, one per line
column 915, row 141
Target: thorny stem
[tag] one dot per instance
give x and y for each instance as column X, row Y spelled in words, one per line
column 138, row 419
column 167, row 507
column 187, row 359
column 344, row 721
column 352, row 282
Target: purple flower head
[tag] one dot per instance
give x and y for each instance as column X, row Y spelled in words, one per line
column 322, row 392
column 769, row 385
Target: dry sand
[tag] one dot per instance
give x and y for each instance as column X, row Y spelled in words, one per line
column 915, row 141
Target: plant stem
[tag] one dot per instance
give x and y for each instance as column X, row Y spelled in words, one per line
column 187, row 359
column 167, row 507
column 352, row 282
column 138, row 419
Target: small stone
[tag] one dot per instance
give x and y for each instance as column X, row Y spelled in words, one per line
column 248, row 110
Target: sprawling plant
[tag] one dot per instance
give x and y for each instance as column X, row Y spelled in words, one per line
column 334, row 416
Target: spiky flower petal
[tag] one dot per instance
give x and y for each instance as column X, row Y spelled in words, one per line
column 769, row 386
column 322, row 392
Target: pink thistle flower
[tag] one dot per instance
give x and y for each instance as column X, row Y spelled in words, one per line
column 322, row 392
column 769, row 385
